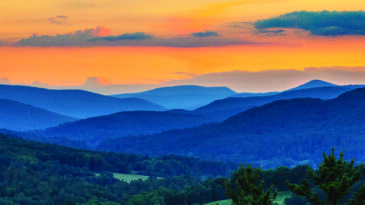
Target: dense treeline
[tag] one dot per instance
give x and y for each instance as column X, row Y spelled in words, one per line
column 165, row 166
column 37, row 173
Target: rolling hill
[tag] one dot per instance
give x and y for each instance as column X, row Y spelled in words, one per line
column 284, row 132
column 91, row 131
column 222, row 109
column 20, row 117
column 74, row 103
column 182, row 97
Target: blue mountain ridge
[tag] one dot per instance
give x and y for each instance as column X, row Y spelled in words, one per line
column 74, row 103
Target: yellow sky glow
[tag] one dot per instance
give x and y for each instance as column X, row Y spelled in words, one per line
column 122, row 65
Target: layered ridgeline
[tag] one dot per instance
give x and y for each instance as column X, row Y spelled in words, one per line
column 222, row 109
column 182, row 97
column 73, row 103
column 285, row 132
column 89, row 132
column 307, row 85
column 21, row 117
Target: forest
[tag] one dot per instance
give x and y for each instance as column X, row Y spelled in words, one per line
column 39, row 173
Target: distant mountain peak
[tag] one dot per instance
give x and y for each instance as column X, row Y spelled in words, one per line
column 314, row 84
column 186, row 89
column 182, row 96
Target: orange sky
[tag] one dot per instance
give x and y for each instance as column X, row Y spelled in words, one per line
column 164, row 19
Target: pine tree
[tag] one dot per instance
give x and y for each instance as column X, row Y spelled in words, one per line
column 359, row 197
column 246, row 188
column 335, row 178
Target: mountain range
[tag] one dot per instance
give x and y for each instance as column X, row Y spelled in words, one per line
column 284, row 132
column 73, row 103
column 222, row 109
column 182, row 97
column 94, row 130
column 302, row 121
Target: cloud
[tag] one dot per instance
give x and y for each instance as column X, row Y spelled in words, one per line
column 96, row 81
column 183, row 42
column 271, row 32
column 275, row 80
column 101, row 36
column 78, row 38
column 59, row 20
column 5, row 81
column 240, row 81
column 324, row 23
column 125, row 37
column 205, row 34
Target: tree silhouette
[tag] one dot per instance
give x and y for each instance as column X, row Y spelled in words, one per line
column 246, row 188
column 335, row 178
column 359, row 197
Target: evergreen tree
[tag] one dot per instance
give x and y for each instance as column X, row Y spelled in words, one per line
column 246, row 188
column 335, row 178
column 359, row 197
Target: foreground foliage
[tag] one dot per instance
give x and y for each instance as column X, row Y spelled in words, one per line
column 38, row 173
column 335, row 178
column 248, row 189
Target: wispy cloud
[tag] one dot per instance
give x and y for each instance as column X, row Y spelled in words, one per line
column 78, row 38
column 324, row 23
column 101, row 36
column 5, row 81
column 271, row 32
column 205, row 34
column 59, row 20
column 125, row 37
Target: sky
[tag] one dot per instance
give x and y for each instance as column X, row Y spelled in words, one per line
column 116, row 46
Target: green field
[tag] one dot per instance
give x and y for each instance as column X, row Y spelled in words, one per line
column 129, row 177
column 279, row 199
column 223, row 202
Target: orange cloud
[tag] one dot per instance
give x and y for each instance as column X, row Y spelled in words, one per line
column 101, row 31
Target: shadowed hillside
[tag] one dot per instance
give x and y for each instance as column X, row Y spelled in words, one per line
column 284, row 132
column 74, row 103
column 91, row 131
column 20, row 117
column 222, row 109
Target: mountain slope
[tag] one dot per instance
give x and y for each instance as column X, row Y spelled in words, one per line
column 74, row 103
column 182, row 97
column 222, row 109
column 314, row 84
column 284, row 132
column 245, row 95
column 20, row 117
column 93, row 130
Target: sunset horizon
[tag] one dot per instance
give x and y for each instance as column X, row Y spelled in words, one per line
column 146, row 45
